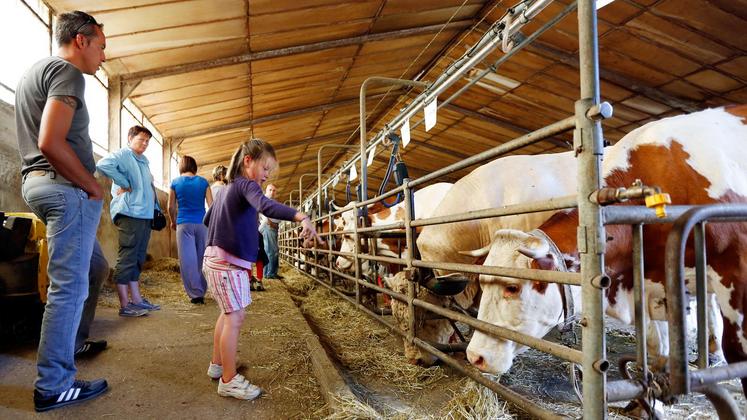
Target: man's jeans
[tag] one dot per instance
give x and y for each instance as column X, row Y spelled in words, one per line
column 270, row 237
column 71, row 220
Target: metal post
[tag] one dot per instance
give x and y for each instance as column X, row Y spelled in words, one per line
column 319, row 169
column 410, row 240
column 701, row 294
column 591, row 234
column 300, row 188
column 364, row 131
column 641, row 320
column 356, row 260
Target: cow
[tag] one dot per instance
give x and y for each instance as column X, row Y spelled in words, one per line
column 699, row 158
column 426, row 199
column 491, row 185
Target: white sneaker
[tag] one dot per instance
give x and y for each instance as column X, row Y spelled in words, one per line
column 215, row 371
column 239, row 388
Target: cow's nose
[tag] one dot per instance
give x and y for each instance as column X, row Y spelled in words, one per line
column 476, row 360
column 417, row 361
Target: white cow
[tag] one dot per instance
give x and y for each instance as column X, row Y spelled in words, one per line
column 426, row 200
column 504, row 181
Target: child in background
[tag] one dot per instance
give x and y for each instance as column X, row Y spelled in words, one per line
column 232, row 248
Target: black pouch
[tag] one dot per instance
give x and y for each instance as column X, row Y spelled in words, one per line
column 159, row 220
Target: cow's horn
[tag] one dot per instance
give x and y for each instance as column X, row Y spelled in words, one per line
column 478, row 252
column 534, row 247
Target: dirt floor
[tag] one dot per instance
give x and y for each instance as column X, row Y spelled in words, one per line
column 156, row 365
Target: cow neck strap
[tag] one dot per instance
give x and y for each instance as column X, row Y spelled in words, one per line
column 566, row 295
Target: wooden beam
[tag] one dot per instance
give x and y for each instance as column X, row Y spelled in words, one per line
column 280, row 116
column 503, row 123
column 298, row 49
column 294, row 143
column 636, row 86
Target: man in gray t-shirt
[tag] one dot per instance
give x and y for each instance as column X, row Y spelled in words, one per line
column 59, row 187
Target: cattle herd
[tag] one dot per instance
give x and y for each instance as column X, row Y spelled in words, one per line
column 698, row 159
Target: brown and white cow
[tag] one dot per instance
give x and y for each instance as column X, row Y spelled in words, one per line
column 700, row 158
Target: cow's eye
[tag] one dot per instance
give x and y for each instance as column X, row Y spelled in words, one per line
column 511, row 290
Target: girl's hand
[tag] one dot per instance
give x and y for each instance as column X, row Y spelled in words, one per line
column 308, row 232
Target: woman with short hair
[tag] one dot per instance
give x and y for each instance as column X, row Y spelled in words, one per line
column 186, row 209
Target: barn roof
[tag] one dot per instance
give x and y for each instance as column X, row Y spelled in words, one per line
column 210, row 73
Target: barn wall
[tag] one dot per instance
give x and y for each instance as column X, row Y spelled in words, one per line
column 162, row 244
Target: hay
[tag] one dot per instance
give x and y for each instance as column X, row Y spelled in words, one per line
column 350, row 408
column 357, row 341
column 160, row 283
column 475, row 402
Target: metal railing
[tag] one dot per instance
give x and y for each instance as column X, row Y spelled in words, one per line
column 592, row 220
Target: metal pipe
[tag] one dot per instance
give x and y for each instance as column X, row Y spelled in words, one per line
column 507, row 394
column 504, row 392
column 537, row 206
column 412, row 288
column 489, row 41
column 588, row 143
column 383, row 196
column 675, row 288
column 639, row 288
column 300, row 187
column 555, row 349
column 505, row 57
column 701, row 293
column 573, row 279
column 319, row 169
column 364, row 132
column 726, row 407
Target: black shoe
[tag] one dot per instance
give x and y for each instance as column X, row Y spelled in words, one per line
column 79, row 392
column 198, row 300
column 252, row 284
column 90, row 348
column 278, row 276
column 259, row 287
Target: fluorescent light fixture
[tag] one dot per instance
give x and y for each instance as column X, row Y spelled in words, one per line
column 493, row 82
column 602, row 3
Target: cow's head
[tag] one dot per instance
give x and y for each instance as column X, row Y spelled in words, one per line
column 525, row 306
column 341, row 222
column 435, row 330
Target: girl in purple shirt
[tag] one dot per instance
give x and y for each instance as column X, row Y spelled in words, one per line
column 232, row 247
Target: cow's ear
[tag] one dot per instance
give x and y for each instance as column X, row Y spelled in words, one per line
column 572, row 263
column 546, row 262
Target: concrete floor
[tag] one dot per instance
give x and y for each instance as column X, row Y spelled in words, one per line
column 156, row 365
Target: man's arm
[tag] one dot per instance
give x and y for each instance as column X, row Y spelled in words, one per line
column 56, row 120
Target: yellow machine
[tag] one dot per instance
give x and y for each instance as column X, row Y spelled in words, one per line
column 37, row 244
column 23, row 276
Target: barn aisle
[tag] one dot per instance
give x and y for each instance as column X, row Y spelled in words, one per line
column 156, row 364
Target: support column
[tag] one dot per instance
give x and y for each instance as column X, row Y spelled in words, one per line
column 166, row 156
column 115, row 116
column 587, row 141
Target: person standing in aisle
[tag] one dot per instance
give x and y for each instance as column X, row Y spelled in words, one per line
column 132, row 206
column 187, row 197
column 269, row 230
column 59, row 187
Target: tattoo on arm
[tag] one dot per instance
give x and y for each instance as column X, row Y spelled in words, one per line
column 67, row 100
